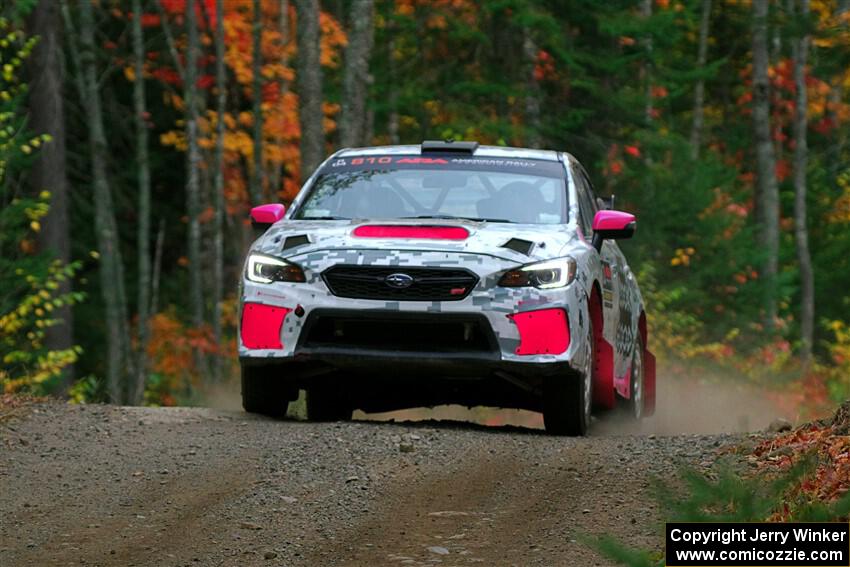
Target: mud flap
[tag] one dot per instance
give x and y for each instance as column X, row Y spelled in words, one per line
column 603, row 376
column 648, row 383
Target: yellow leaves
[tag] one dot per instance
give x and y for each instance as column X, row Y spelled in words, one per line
column 174, row 100
column 27, row 363
column 130, row 73
column 682, row 256
column 840, row 210
column 176, row 138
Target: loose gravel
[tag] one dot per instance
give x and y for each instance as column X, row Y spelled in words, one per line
column 116, row 486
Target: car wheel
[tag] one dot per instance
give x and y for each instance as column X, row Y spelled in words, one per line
column 264, row 391
column 636, row 389
column 327, row 403
column 567, row 399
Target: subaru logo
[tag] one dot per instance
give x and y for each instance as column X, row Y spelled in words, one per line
column 399, row 281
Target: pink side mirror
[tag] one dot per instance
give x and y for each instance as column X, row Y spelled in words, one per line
column 612, row 225
column 264, row 216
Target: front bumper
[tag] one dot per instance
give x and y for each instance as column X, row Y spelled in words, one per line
column 385, row 381
column 490, row 326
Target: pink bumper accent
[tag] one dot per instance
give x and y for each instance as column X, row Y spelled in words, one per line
column 546, row 331
column 268, row 214
column 612, row 220
column 261, row 325
column 401, row 231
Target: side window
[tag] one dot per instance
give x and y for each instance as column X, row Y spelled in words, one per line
column 586, row 206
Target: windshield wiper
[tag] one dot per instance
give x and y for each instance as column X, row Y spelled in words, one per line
column 451, row 217
column 324, row 218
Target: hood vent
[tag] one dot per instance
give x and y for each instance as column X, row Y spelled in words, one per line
column 519, row 245
column 293, row 241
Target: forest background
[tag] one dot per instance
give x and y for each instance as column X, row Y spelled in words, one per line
column 135, row 135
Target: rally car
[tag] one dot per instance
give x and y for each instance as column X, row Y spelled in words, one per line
column 444, row 273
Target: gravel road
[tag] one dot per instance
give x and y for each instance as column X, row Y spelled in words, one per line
column 117, row 486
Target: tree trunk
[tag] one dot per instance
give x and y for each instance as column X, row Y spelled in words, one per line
column 392, row 97
column 218, row 185
column 767, row 191
column 283, row 87
column 646, row 13
column 309, row 77
column 800, row 53
column 532, row 91
column 355, row 86
column 193, row 160
column 699, row 89
column 119, row 357
column 47, row 116
column 257, row 78
column 144, row 212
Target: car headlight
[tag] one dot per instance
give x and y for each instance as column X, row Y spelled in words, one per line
column 542, row 275
column 267, row 269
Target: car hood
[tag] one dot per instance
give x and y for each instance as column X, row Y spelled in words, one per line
column 514, row 242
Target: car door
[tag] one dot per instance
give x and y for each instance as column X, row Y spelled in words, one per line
column 617, row 303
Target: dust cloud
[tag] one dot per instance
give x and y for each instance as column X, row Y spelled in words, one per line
column 686, row 404
column 692, row 405
column 225, row 396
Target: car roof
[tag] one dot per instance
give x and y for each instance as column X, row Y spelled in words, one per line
column 480, row 151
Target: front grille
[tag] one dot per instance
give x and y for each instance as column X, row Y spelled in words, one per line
column 400, row 332
column 429, row 284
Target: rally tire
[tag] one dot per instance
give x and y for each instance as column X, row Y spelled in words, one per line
column 567, row 399
column 636, row 381
column 265, row 392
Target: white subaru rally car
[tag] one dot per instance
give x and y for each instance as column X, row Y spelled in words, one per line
column 444, row 273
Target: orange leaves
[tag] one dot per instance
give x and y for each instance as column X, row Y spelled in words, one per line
column 171, row 350
column 281, row 130
column 544, row 66
column 783, row 169
column 333, row 40
column 831, row 451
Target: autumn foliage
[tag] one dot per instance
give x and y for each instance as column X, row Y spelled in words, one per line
column 827, row 445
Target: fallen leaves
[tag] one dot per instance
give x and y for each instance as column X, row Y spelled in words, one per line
column 829, row 447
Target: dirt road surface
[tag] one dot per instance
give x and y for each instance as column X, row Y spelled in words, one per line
column 114, row 486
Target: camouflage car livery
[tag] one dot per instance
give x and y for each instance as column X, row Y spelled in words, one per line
column 393, row 311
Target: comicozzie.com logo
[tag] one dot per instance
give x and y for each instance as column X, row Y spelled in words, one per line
column 758, row 544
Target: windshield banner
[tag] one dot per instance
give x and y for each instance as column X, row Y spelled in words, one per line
column 543, row 168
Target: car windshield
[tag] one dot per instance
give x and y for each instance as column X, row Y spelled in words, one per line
column 443, row 190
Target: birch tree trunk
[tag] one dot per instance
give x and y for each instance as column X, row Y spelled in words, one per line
column 144, row 212
column 47, row 116
column 800, row 53
column 392, row 120
column 532, row 91
column 119, row 357
column 699, row 89
column 309, row 77
column 767, row 191
column 356, row 80
column 193, row 160
column 276, row 175
column 257, row 85
column 218, row 185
